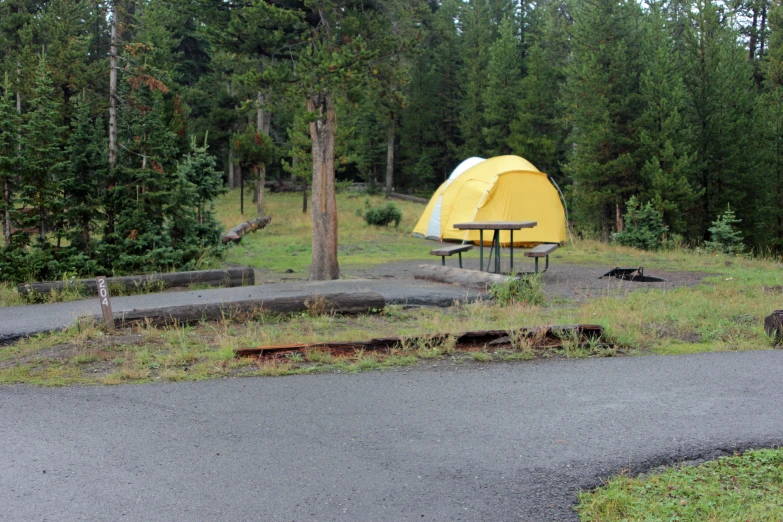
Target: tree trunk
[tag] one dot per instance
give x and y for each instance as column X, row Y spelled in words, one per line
column 338, row 303
column 231, row 183
column 390, row 162
column 113, row 89
column 259, row 195
column 293, row 169
column 304, row 197
column 619, row 225
column 241, row 191
column 324, row 211
column 42, row 226
column 604, row 226
column 753, row 35
column 262, row 126
column 7, row 213
column 228, row 277
column 459, row 276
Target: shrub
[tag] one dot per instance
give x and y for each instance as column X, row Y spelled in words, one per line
column 380, row 216
column 644, row 227
column 724, row 238
column 514, row 290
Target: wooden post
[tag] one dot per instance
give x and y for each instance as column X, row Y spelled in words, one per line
column 103, row 297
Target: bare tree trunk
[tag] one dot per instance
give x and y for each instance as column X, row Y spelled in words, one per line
column 262, row 126
column 619, row 225
column 324, row 211
column 753, row 35
column 762, row 32
column 390, row 162
column 113, row 89
column 304, row 196
column 241, row 191
column 259, row 193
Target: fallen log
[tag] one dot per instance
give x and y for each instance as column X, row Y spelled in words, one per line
column 773, row 325
column 234, row 235
column 338, row 303
column 405, row 197
column 459, row 276
column 228, row 277
column 541, row 335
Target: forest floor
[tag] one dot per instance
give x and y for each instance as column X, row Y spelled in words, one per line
column 709, row 303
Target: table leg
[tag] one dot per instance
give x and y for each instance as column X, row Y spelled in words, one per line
column 511, row 246
column 497, row 251
column 481, row 250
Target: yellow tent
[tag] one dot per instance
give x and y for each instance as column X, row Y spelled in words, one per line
column 505, row 188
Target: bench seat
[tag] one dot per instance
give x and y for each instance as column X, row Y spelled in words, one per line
column 450, row 251
column 542, row 250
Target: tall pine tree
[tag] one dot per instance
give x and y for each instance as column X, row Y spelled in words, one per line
column 9, row 156
column 601, row 99
column 43, row 157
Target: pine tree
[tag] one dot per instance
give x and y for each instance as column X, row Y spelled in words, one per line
column 724, row 236
column 601, row 98
column 253, row 150
column 720, row 103
column 43, row 158
column 190, row 219
column 87, row 168
column 667, row 163
column 537, row 133
column 502, row 95
column 430, row 128
column 139, row 189
column 476, row 37
column 9, row 156
column 770, row 111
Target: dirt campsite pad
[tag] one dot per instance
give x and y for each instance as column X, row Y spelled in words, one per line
column 561, row 281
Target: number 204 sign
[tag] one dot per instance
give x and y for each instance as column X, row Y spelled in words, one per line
column 103, row 296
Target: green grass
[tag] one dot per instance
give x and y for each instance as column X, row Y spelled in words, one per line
column 745, row 487
column 286, row 243
column 724, row 312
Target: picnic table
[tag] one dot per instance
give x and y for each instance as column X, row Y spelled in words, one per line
column 495, row 226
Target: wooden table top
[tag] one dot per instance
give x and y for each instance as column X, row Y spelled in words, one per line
column 496, row 225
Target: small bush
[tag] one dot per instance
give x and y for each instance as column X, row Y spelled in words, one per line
column 380, row 216
column 514, row 290
column 644, row 227
column 724, row 238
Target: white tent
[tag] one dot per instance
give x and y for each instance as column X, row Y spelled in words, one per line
column 433, row 227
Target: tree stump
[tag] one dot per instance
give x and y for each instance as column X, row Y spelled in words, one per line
column 773, row 325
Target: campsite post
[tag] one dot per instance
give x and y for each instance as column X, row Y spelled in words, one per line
column 103, row 297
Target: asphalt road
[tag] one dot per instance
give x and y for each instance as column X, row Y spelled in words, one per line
column 492, row 442
column 22, row 321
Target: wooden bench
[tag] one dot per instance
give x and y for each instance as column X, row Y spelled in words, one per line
column 450, row 251
column 542, row 250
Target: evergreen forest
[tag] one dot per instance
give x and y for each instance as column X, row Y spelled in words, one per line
column 121, row 121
